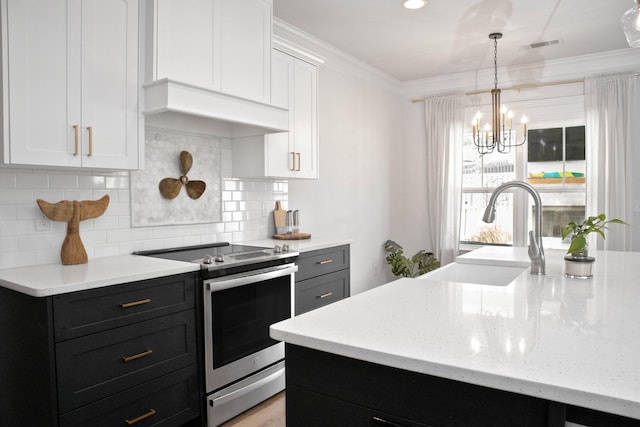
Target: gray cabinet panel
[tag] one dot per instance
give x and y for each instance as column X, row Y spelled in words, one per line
column 322, row 278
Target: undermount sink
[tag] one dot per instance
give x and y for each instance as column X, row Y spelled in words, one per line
column 475, row 273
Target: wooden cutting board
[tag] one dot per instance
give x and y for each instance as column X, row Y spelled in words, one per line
column 299, row 236
column 280, row 219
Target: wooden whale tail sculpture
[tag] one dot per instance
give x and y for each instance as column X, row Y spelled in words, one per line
column 72, row 212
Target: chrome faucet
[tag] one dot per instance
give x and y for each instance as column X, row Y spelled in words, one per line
column 536, row 251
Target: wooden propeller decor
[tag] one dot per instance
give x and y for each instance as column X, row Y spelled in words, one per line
column 170, row 187
column 73, row 212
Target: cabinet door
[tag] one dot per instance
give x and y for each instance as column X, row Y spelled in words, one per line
column 183, row 37
column 110, row 84
column 72, row 70
column 305, row 119
column 42, row 70
column 294, row 154
column 244, row 65
column 223, row 45
column 279, row 154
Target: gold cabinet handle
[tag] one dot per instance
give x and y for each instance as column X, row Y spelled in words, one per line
column 75, row 128
column 137, row 356
column 293, row 161
column 141, row 417
column 323, row 296
column 298, row 154
column 90, row 129
column 326, row 261
column 134, row 303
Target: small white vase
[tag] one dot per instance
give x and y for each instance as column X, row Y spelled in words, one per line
column 578, row 267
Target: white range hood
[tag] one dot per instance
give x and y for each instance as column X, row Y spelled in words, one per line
column 175, row 105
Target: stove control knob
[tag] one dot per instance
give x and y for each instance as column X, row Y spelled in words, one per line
column 285, row 248
column 207, row 259
column 220, row 258
column 277, row 249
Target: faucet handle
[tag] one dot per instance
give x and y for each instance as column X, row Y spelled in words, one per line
column 536, row 254
column 534, row 248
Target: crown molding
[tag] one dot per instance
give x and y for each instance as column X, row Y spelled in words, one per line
column 572, row 68
column 335, row 58
column 296, row 50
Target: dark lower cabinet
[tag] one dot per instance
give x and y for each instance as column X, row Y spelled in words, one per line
column 328, row 411
column 166, row 401
column 324, row 389
column 322, row 278
column 119, row 355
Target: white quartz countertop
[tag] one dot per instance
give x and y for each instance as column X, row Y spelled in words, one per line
column 568, row 340
column 53, row 279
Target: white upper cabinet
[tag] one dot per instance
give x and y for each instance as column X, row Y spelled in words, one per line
column 292, row 154
column 221, row 45
column 70, row 83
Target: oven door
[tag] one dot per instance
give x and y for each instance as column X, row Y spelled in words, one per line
column 238, row 310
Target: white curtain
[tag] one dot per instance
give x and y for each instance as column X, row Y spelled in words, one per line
column 611, row 106
column 444, row 122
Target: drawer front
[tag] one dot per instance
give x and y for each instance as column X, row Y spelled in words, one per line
column 170, row 400
column 309, row 409
column 320, row 291
column 99, row 365
column 322, row 261
column 81, row 313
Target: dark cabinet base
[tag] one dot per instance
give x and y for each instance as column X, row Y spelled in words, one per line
column 326, row 389
column 64, row 365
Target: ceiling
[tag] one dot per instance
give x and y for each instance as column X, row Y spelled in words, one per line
column 451, row 36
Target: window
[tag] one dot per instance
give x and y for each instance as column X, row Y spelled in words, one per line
column 552, row 160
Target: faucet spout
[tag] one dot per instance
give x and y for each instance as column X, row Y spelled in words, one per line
column 536, row 251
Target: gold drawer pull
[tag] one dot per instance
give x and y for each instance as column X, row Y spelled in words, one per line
column 90, row 129
column 298, row 168
column 75, row 152
column 326, row 261
column 137, row 356
column 141, row 417
column 134, row 303
column 323, row 296
column 293, row 161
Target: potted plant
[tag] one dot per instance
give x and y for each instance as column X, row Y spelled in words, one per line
column 401, row 266
column 578, row 264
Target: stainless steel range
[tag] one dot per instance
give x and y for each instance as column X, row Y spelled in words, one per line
column 245, row 290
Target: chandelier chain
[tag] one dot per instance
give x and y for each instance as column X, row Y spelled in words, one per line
column 495, row 63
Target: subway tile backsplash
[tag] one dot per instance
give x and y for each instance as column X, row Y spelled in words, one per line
column 26, row 240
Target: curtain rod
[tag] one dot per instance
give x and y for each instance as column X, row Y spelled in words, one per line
column 563, row 82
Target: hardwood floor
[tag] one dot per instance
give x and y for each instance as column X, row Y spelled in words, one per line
column 270, row 413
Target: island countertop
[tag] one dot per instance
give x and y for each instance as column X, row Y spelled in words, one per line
column 567, row 340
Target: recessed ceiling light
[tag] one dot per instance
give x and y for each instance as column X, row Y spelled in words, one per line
column 414, row 4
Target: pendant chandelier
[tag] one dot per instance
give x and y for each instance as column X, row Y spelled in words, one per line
column 500, row 135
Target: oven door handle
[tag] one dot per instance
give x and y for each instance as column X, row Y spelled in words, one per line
column 219, row 284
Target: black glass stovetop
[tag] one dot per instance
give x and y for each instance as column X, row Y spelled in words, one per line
column 223, row 256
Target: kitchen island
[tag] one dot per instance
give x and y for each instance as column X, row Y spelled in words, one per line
column 538, row 351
